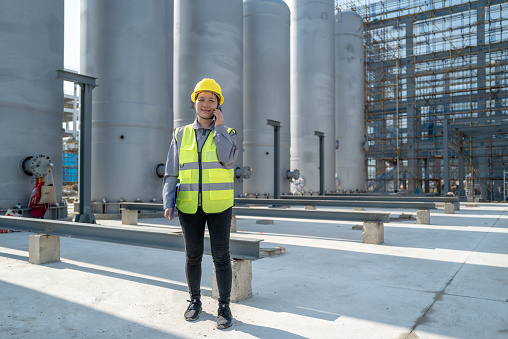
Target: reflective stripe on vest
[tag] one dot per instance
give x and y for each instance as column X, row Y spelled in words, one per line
column 217, row 182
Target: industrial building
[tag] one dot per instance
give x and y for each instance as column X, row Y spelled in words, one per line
column 387, row 113
column 436, row 94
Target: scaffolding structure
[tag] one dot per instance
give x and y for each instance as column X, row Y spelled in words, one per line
column 436, row 95
column 70, row 126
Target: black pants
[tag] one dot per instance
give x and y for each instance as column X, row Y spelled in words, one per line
column 193, row 227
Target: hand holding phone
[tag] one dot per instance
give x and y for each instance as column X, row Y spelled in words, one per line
column 218, row 117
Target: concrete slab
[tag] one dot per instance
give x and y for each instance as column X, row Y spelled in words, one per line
column 445, row 280
column 464, row 317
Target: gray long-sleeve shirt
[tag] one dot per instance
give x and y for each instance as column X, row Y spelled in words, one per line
column 227, row 151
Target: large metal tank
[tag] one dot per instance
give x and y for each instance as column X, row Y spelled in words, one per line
column 208, row 43
column 127, row 45
column 349, row 100
column 266, row 92
column 313, row 90
column 31, row 98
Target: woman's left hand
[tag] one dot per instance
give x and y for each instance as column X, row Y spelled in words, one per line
column 219, row 118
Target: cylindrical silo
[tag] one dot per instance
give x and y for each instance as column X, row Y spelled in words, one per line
column 31, row 98
column 266, row 92
column 208, row 43
column 349, row 100
column 313, row 90
column 127, row 45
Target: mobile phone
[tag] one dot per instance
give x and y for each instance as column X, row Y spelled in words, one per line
column 214, row 117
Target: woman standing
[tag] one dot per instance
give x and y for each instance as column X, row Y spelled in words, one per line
column 201, row 158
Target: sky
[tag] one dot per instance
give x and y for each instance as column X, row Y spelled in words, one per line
column 71, row 39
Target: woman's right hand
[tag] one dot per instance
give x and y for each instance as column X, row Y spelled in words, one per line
column 168, row 212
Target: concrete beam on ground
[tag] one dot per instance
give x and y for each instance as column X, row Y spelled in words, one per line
column 338, row 203
column 240, row 247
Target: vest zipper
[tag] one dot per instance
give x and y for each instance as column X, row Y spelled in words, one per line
column 199, row 170
column 200, row 179
column 200, row 167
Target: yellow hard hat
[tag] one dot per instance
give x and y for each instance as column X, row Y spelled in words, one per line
column 207, row 85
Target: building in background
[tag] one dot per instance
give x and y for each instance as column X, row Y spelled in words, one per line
column 436, row 95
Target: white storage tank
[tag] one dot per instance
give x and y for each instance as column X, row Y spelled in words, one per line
column 266, row 93
column 208, row 43
column 127, row 46
column 313, row 90
column 350, row 99
column 31, row 98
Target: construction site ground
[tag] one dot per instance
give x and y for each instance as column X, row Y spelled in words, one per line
column 448, row 279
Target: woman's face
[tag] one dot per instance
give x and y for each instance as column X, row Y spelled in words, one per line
column 206, row 103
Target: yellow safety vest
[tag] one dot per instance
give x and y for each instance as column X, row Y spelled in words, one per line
column 203, row 173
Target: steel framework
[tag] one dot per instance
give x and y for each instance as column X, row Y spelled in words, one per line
column 436, row 69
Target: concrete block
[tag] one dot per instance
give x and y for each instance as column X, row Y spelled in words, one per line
column 271, row 252
column 456, row 206
column 129, row 217
column 233, row 224
column 43, row 249
column 241, row 288
column 404, row 216
column 359, row 209
column 449, row 208
column 373, row 233
column 309, row 207
column 423, row 217
column 264, row 221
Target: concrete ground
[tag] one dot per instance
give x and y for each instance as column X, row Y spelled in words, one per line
column 448, row 279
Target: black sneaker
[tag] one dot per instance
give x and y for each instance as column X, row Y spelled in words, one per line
column 193, row 310
column 224, row 317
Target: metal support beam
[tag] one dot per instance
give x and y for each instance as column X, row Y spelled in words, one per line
column 446, row 161
column 240, row 248
column 321, row 136
column 87, row 84
column 310, row 214
column 276, row 157
column 283, row 213
column 433, row 13
column 362, row 198
column 76, row 78
column 338, row 203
